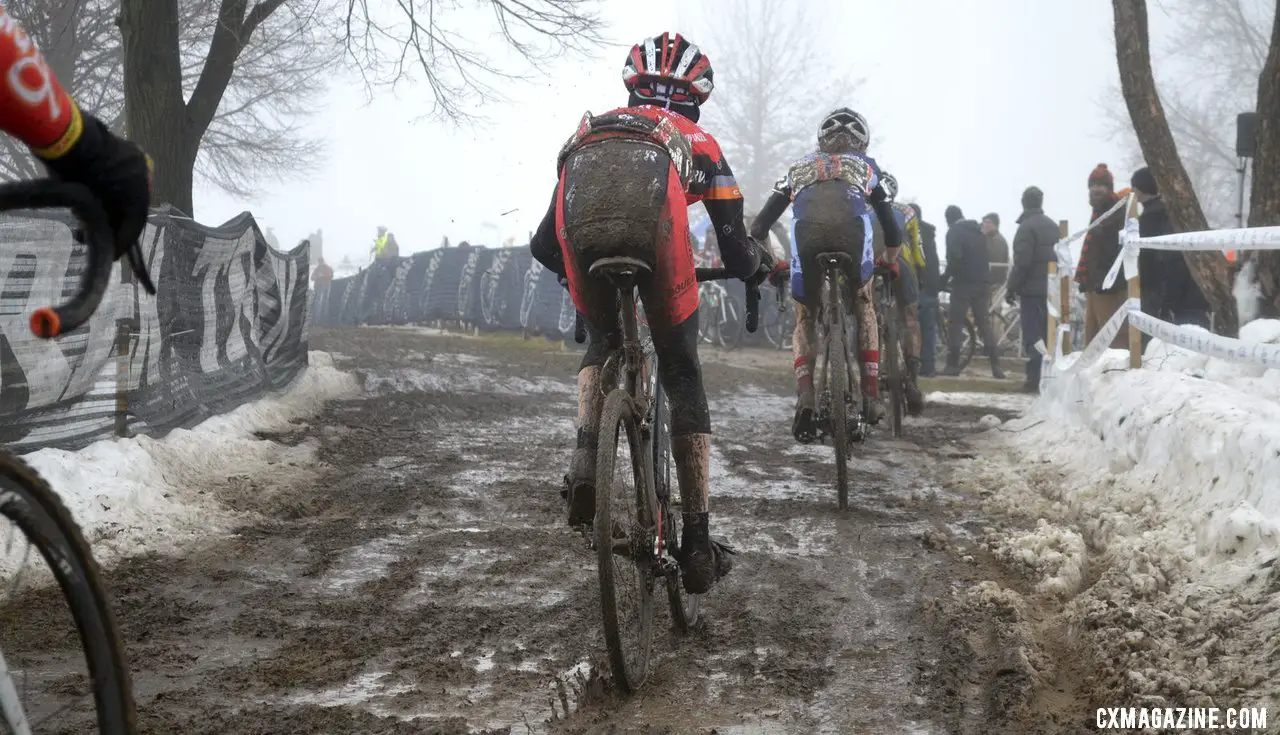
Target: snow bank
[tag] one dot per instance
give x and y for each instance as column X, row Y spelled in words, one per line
column 141, row 494
column 1186, row 451
column 1150, row 504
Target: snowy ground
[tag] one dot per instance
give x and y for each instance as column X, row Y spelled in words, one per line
column 139, row 495
column 1150, row 504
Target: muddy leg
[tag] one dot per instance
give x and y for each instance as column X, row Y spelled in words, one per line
column 579, row 485
column 869, row 351
column 805, row 347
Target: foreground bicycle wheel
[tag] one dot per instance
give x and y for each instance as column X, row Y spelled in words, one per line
column 684, row 606
column 837, row 368
column 28, row 503
column 624, row 516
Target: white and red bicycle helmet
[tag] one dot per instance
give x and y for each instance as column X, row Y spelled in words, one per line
column 668, row 68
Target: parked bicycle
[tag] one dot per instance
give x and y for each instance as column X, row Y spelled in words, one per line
column 780, row 323
column 969, row 333
column 44, row 523
column 636, row 533
column 720, row 316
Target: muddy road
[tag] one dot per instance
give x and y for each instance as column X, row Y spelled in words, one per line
column 427, row 582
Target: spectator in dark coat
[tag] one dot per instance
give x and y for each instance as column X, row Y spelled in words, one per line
column 1029, row 278
column 1168, row 290
column 929, row 281
column 997, row 250
column 1101, row 248
column 969, row 276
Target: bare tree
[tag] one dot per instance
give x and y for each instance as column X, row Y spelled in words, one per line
column 1154, row 134
column 254, row 135
column 173, row 117
column 80, row 42
column 419, row 37
column 278, row 82
column 768, row 100
column 1208, row 74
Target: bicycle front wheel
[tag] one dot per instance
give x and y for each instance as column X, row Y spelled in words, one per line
column 624, row 554
column 27, row 501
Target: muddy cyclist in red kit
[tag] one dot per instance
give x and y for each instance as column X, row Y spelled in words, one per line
column 618, row 195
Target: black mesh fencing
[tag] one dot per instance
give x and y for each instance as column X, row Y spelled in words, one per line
column 227, row 325
column 489, row 289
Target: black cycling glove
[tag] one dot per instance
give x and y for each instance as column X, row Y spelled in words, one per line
column 766, row 262
column 117, row 172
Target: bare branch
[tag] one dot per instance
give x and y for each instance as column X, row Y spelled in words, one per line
column 765, row 112
column 416, row 41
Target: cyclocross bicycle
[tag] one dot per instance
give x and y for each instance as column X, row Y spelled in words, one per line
column 719, row 316
column 968, row 332
column 892, row 381
column 43, row 522
column 837, row 414
column 642, row 544
column 780, row 327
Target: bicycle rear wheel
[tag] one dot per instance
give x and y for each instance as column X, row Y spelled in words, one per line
column 623, row 523
column 28, row 502
column 837, row 380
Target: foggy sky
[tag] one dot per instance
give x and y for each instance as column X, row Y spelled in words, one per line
column 976, row 99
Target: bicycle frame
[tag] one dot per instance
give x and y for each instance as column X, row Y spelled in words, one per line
column 832, row 265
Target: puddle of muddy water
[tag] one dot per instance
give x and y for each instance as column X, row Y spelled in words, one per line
column 459, row 378
column 363, row 692
column 363, row 563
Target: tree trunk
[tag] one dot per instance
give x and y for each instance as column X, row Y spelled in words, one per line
column 1133, row 53
column 159, row 120
column 1264, row 200
column 153, row 98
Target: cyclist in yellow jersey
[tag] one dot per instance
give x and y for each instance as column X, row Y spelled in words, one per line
column 907, row 290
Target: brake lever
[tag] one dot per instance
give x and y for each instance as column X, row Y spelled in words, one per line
column 138, row 263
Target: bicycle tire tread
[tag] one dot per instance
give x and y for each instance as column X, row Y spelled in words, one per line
column 15, row 470
column 615, row 415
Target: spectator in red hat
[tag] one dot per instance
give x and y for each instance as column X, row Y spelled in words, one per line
column 1101, row 248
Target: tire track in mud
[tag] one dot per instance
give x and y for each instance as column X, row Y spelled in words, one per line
column 428, row 583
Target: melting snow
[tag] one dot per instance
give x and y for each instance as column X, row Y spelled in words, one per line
column 142, row 494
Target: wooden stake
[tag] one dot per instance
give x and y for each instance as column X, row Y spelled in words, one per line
column 1064, row 297
column 124, row 333
column 1051, row 336
column 1135, row 292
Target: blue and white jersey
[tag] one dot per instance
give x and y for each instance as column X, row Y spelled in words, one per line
column 859, row 171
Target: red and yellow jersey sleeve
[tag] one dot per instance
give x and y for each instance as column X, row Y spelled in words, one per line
column 34, row 107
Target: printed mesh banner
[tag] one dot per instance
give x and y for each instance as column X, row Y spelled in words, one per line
column 489, row 289
column 227, row 325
